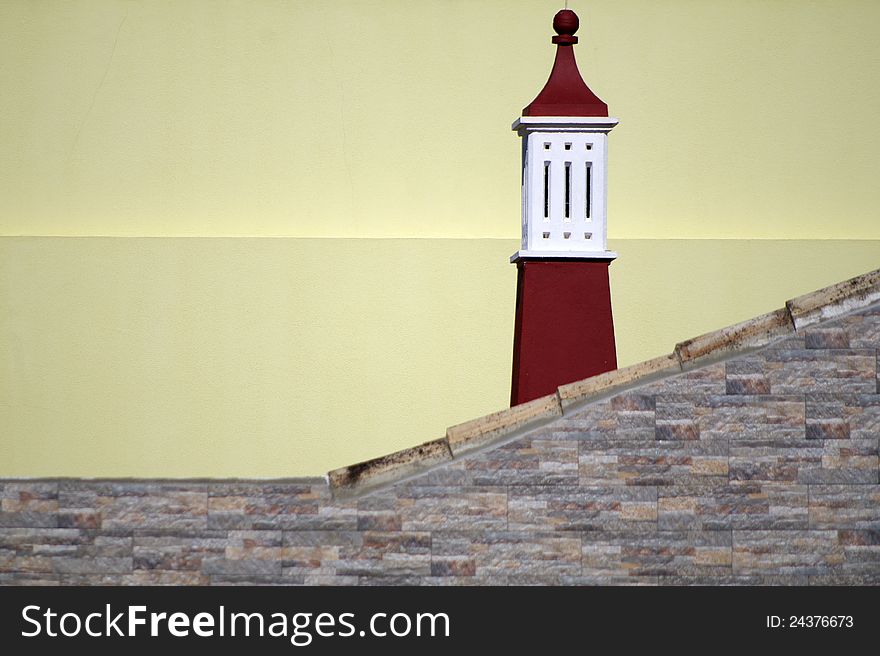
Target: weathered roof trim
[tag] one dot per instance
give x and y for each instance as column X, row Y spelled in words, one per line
column 476, row 433
column 392, row 468
column 595, row 388
column 822, row 305
column 833, row 301
column 721, row 344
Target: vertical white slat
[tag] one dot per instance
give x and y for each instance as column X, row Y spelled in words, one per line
column 577, row 192
column 557, row 197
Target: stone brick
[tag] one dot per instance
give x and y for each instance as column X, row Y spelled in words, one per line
column 779, row 460
column 746, row 376
column 423, row 508
column 612, row 462
column 533, row 460
column 92, row 565
column 166, row 577
column 512, row 557
column 834, row 337
column 378, row 512
column 137, row 504
column 802, row 553
column 177, row 550
column 739, row 417
column 537, row 508
column 22, row 578
column 380, row 553
column 283, row 505
column 610, row 555
column 704, row 380
column 806, row 371
column 862, row 329
column 842, row 416
column 845, row 507
column 844, row 462
column 628, row 416
column 723, row 506
column 243, row 570
column 849, row 580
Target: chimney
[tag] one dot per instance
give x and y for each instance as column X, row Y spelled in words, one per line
column 564, row 329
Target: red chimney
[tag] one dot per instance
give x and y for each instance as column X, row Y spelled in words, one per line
column 564, row 329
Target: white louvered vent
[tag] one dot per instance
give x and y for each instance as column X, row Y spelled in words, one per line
column 564, row 186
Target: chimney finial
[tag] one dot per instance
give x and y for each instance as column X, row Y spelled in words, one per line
column 565, row 93
column 565, row 24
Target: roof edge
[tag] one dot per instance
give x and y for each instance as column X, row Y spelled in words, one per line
column 388, row 469
column 835, row 300
column 580, row 393
column 746, row 335
column 803, row 311
column 483, row 431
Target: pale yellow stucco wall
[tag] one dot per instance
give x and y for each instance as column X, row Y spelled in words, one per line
column 209, row 337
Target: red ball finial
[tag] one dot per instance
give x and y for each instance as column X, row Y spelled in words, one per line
column 566, row 22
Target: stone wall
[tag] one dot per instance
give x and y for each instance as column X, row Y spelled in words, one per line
column 761, row 469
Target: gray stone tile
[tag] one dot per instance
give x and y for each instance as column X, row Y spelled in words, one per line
column 28, row 520
column 845, row 507
column 28, row 578
column 741, row 416
column 799, row 553
column 92, row 565
column 277, row 506
column 849, row 580
column 746, row 376
column 179, row 551
column 543, row 508
column 705, row 380
column 426, row 508
column 166, row 577
column 844, row 462
column 843, row 416
column 653, row 463
column 137, row 504
column 527, row 461
column 822, row 370
column 385, row 554
column 245, row 570
column 826, row 337
column 512, row 556
column 732, row 580
column 613, row 555
column 28, row 505
column 862, row 329
column 773, row 459
column 627, row 416
column 723, row 506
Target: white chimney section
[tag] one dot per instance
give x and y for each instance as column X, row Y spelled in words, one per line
column 564, row 186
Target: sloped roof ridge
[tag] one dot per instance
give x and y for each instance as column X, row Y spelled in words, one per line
column 822, row 305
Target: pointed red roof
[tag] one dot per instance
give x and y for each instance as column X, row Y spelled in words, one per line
column 566, row 93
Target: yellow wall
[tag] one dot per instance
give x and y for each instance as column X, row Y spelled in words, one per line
column 171, row 350
column 390, row 118
column 281, row 357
